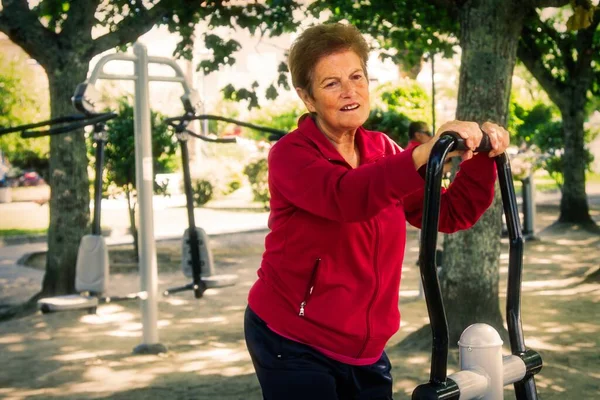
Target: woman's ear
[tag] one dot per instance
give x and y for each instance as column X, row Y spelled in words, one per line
column 306, row 99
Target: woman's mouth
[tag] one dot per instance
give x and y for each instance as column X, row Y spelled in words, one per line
column 350, row 107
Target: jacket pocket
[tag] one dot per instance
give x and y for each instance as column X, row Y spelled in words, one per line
column 309, row 288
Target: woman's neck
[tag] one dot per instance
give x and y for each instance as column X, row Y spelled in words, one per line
column 344, row 142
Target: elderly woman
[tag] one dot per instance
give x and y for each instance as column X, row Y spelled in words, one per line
column 326, row 299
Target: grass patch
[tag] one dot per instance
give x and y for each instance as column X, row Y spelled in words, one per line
column 22, row 232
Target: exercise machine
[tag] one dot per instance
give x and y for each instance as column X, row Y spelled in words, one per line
column 92, row 266
column 197, row 260
column 484, row 371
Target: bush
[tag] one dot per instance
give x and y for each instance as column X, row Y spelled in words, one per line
column 202, row 191
column 392, row 123
column 233, row 185
column 539, row 126
column 257, row 173
column 396, row 106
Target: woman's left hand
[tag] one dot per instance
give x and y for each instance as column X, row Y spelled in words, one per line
column 499, row 138
column 472, row 134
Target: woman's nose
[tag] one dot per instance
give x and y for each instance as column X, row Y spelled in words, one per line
column 348, row 88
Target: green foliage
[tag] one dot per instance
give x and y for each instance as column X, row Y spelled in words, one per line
column 404, row 30
column 564, row 55
column 18, row 105
column 390, row 122
column 202, row 191
column 396, row 107
column 277, row 115
column 258, row 175
column 120, row 146
column 234, row 185
column 539, row 126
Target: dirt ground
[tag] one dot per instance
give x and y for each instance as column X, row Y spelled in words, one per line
column 74, row 355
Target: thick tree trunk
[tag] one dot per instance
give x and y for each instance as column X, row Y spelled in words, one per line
column 573, row 204
column 69, row 182
column 490, row 31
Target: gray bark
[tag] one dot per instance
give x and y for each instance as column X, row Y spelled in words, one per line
column 69, row 199
column 574, row 207
column 490, row 31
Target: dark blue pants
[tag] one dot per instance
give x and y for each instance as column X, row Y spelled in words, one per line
column 289, row 370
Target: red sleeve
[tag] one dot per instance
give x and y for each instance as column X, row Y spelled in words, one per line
column 301, row 175
column 465, row 201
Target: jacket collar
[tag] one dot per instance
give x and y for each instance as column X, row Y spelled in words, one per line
column 368, row 148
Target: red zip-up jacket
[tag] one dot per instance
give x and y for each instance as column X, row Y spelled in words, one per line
column 330, row 273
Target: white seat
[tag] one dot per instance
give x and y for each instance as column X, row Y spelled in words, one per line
column 67, row 302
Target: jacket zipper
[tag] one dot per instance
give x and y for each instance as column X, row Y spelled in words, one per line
column 376, row 270
column 309, row 288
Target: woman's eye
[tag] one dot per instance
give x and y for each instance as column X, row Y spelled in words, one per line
column 330, row 84
column 357, row 76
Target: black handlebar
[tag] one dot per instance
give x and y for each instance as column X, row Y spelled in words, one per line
column 459, row 143
column 179, row 123
column 65, row 124
column 209, row 139
column 80, row 123
column 439, row 386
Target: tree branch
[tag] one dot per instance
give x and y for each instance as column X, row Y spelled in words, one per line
column 82, row 16
column 564, row 44
column 531, row 56
column 130, row 28
column 584, row 43
column 23, row 27
column 549, row 3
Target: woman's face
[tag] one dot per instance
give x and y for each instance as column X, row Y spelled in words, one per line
column 340, row 93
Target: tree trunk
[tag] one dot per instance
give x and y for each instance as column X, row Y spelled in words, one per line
column 573, row 203
column 69, row 182
column 490, row 31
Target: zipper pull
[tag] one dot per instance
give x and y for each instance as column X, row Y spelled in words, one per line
column 301, row 313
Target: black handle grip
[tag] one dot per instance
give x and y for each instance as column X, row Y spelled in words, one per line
column 54, row 121
column 175, row 122
column 485, row 145
column 76, row 124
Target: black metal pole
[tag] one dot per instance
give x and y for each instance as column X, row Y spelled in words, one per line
column 524, row 389
column 427, row 265
column 198, row 285
column 432, row 56
column 99, row 140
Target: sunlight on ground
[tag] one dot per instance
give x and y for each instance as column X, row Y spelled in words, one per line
column 203, row 320
column 11, row 339
column 176, row 302
column 82, row 355
column 551, row 283
column 543, row 343
column 591, row 288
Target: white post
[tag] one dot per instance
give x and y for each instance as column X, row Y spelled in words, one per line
column 144, row 183
column 480, row 349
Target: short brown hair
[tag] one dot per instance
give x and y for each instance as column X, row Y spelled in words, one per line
column 319, row 41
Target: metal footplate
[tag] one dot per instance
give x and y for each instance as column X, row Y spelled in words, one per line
column 206, row 282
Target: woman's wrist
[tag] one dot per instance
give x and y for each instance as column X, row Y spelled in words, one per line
column 420, row 154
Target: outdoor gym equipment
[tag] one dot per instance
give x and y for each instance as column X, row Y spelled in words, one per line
column 197, row 260
column 484, row 371
column 92, row 269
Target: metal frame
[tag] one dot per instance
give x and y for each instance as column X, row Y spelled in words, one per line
column 144, row 174
column 479, row 343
